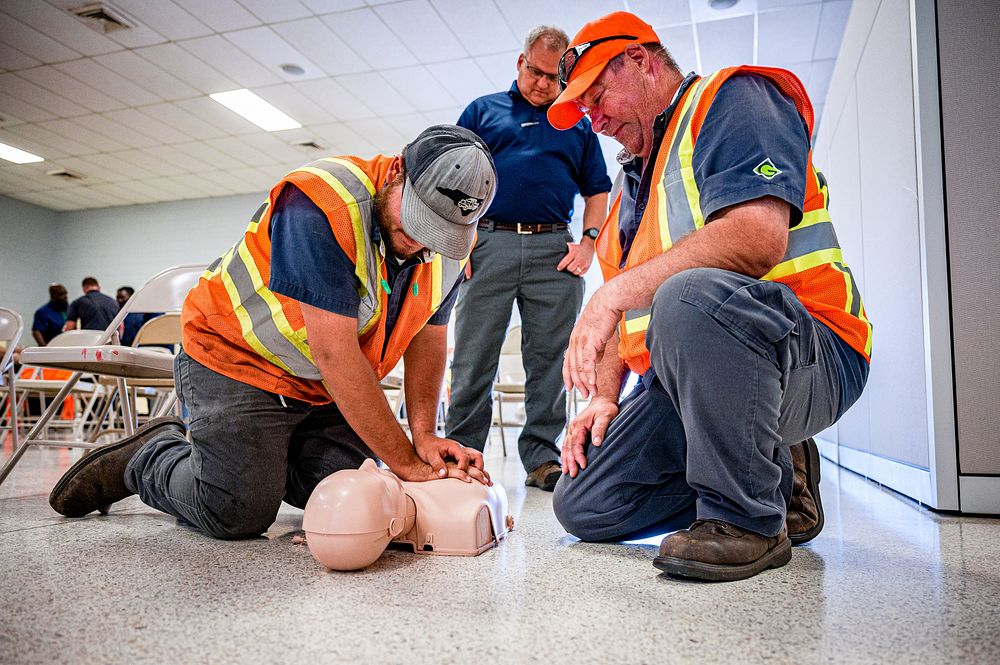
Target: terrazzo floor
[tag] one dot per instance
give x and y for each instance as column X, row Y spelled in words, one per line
column 886, row 582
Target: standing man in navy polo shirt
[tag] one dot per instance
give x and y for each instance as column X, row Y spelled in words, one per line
column 526, row 254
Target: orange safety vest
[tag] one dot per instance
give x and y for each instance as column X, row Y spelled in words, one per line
column 813, row 265
column 233, row 324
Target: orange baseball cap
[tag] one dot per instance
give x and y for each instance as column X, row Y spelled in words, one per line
column 597, row 42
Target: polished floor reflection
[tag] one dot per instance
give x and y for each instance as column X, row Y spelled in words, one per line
column 887, row 581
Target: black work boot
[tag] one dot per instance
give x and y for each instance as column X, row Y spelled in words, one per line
column 98, row 478
column 722, row 552
column 805, row 510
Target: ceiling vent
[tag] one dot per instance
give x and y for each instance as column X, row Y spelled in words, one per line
column 63, row 174
column 309, row 144
column 103, row 17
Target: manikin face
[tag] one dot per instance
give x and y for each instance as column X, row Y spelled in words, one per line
column 387, row 206
column 536, row 75
column 619, row 105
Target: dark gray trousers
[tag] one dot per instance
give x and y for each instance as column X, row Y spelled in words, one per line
column 742, row 371
column 508, row 268
column 247, row 453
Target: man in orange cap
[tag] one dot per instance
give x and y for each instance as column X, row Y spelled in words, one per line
column 726, row 291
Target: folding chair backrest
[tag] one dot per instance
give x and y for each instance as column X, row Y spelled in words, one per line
column 11, row 328
column 77, row 338
column 510, row 368
column 165, row 292
column 165, row 329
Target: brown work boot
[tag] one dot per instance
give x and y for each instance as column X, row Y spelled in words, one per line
column 714, row 550
column 98, row 478
column 805, row 510
column 545, row 476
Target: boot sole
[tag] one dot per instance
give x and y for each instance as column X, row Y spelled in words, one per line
column 813, row 477
column 776, row 557
column 96, row 454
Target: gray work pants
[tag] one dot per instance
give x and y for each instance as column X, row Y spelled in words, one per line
column 508, row 268
column 247, row 453
column 742, row 371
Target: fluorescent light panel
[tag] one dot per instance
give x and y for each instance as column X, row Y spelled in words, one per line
column 18, row 156
column 256, row 110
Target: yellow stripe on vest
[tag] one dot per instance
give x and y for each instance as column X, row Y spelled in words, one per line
column 436, row 282
column 805, row 262
column 637, row 325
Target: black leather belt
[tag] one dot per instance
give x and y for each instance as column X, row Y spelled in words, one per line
column 520, row 227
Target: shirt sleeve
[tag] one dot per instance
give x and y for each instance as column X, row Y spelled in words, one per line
column 38, row 322
column 307, row 263
column 443, row 314
column 469, row 118
column 72, row 314
column 753, row 143
column 593, row 177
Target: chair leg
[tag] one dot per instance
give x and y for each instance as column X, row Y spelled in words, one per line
column 503, row 435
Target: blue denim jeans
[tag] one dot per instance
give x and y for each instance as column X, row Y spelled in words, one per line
column 740, row 371
column 248, row 451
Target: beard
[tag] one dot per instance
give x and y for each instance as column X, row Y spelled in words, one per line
column 382, row 214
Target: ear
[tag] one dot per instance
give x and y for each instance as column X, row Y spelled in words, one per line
column 395, row 166
column 637, row 54
column 520, row 61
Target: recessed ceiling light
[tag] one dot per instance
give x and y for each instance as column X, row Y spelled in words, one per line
column 18, row 156
column 256, row 110
column 293, row 69
column 722, row 4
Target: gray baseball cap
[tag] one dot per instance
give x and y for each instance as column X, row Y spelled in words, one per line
column 450, row 182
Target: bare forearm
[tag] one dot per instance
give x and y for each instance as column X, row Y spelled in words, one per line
column 595, row 210
column 38, row 337
column 611, row 371
column 425, row 361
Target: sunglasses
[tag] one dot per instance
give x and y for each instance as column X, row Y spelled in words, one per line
column 569, row 59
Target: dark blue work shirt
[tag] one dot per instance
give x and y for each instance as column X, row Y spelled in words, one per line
column 539, row 168
column 48, row 321
column 308, row 264
column 750, row 120
column 94, row 309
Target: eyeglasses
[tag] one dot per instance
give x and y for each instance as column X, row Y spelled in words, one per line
column 569, row 59
column 538, row 73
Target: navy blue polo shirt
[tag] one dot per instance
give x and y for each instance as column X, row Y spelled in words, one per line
column 49, row 321
column 749, row 120
column 94, row 309
column 540, row 169
column 308, row 264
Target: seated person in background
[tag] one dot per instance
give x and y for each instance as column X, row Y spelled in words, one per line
column 50, row 317
column 350, row 265
column 132, row 321
column 94, row 309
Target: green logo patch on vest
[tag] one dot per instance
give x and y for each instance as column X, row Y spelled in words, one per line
column 767, row 169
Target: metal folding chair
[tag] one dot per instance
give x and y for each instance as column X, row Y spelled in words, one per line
column 11, row 329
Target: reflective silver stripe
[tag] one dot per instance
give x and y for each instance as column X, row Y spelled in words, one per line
column 680, row 221
column 260, row 212
column 450, row 272
column 809, row 239
column 263, row 324
column 855, row 294
column 213, row 265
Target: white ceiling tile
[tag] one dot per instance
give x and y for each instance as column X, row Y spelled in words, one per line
column 216, row 114
column 380, row 134
column 91, row 172
column 37, row 96
column 703, row 11
column 32, row 42
column 775, row 4
column 140, row 34
column 462, row 78
column 833, row 20
column 236, row 149
column 478, row 25
column 188, row 68
column 330, row 95
column 500, row 68
column 53, row 199
column 197, row 186
column 147, row 164
column 270, row 11
column 189, row 124
column 108, row 166
column 324, row 47
column 725, row 43
column 103, row 198
column 220, row 15
column 787, row 35
column 133, row 195
column 12, row 59
column 148, row 189
column 679, row 40
column 165, row 17
column 61, row 83
column 52, row 142
column 659, row 13
column 290, row 99
column 261, row 179
column 147, row 75
column 443, row 116
column 409, row 125
column 179, row 158
column 265, row 46
column 207, row 156
column 31, row 145
column 819, row 82
column 328, row 6
column 85, row 197
column 60, row 25
column 231, row 61
column 11, row 107
column 376, row 93
column 74, row 131
column 115, row 132
column 273, row 147
column 344, row 141
column 147, row 125
column 419, row 88
column 568, row 15
column 361, row 29
column 422, row 30
column 171, row 189
column 103, row 79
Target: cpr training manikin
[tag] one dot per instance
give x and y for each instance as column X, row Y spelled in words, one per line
column 353, row 515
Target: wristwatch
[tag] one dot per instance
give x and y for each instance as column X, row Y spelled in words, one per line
column 592, row 233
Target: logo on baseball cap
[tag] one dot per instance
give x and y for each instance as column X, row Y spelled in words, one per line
column 450, row 182
column 590, row 51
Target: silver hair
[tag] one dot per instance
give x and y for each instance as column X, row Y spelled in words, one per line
column 551, row 37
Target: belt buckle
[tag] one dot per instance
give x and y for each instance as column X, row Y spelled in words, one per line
column 522, row 233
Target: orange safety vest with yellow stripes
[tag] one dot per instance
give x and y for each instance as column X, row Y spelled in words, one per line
column 813, row 265
column 233, row 324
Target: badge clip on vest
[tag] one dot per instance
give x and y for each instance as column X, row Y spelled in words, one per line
column 353, row 515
